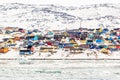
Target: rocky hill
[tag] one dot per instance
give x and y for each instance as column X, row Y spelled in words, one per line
column 46, row 17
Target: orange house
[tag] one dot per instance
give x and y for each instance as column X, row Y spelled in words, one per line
column 4, row 50
column 9, row 28
column 16, row 38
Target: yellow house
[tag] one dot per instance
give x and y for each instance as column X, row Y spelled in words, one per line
column 72, row 41
column 83, row 41
column 66, row 33
column 76, row 45
column 111, row 46
column 100, row 30
column 10, row 41
column 105, row 51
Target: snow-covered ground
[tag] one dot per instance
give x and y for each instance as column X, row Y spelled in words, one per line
column 59, row 17
column 61, row 70
column 49, row 17
column 61, row 54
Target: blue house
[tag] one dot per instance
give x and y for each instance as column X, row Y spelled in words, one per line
column 69, row 44
column 62, row 45
column 89, row 42
column 35, row 30
column 29, row 43
column 74, row 33
column 101, row 46
column 99, row 41
column 29, row 32
column 105, row 30
column 118, row 37
column 50, row 33
column 25, row 52
column 92, row 46
column 91, row 35
column 33, row 38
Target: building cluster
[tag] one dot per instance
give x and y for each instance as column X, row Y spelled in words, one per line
column 74, row 41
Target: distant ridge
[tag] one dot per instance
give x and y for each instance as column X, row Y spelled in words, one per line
column 51, row 17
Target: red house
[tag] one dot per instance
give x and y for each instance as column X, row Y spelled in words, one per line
column 118, row 46
column 21, row 30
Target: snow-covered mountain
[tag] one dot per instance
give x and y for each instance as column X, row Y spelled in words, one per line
column 59, row 17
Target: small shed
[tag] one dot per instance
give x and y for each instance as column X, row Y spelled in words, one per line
column 47, row 49
column 76, row 50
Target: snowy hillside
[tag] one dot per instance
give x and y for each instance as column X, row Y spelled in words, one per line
column 59, row 17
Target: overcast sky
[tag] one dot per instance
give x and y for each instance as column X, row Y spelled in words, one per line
column 61, row 2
